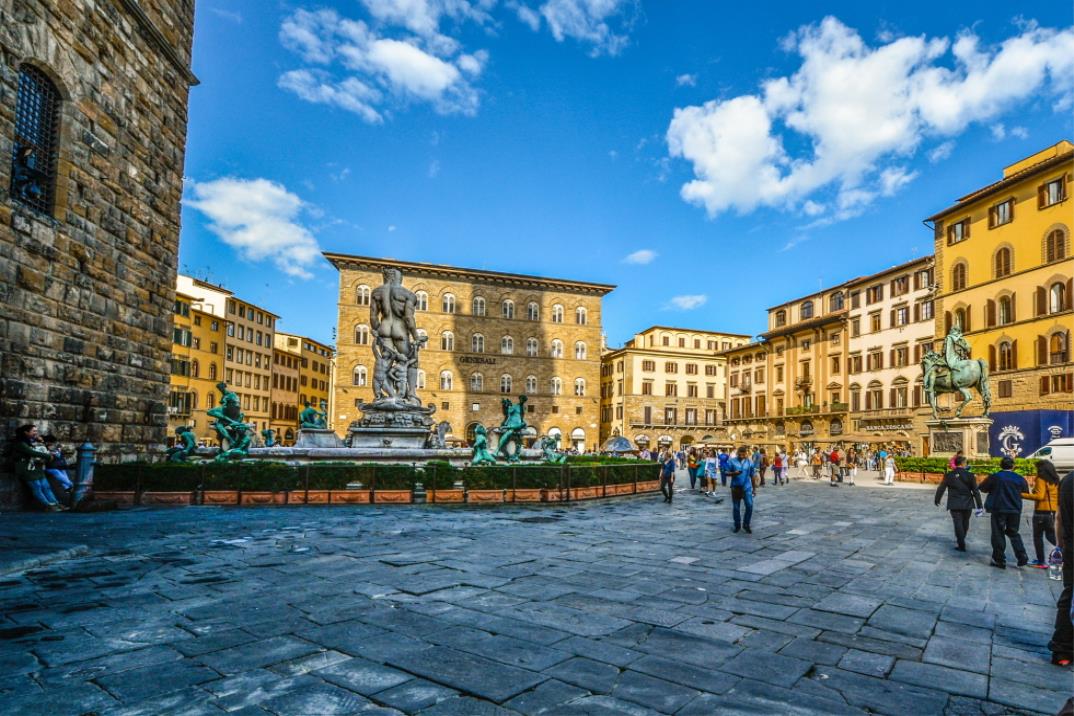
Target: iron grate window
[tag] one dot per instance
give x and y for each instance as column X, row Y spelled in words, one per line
column 33, row 163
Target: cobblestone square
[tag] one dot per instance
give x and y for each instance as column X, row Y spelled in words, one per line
column 842, row 601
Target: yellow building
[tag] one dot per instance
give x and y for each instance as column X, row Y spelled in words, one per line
column 666, row 388
column 314, row 362
column 752, row 408
column 196, row 366
column 285, row 410
column 491, row 336
column 1004, row 268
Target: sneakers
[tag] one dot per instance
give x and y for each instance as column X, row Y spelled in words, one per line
column 747, row 529
column 1023, row 562
column 1037, row 564
column 997, row 565
column 737, row 529
column 54, row 508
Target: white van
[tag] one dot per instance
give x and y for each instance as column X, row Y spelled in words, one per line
column 1060, row 452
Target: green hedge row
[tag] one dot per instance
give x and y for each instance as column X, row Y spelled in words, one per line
column 978, row 467
column 277, row 477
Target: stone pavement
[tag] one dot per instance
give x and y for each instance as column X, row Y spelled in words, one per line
column 843, row 601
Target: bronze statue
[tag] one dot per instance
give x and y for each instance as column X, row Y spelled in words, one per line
column 182, row 452
column 549, row 446
column 312, row 419
column 511, row 428
column 954, row 371
column 230, row 425
column 269, row 436
column 481, row 454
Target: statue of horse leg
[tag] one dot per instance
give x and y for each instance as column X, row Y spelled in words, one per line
column 967, row 396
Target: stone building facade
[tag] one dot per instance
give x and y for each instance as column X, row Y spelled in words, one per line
column 491, row 336
column 752, row 408
column 891, row 327
column 666, row 388
column 93, row 116
column 1004, row 266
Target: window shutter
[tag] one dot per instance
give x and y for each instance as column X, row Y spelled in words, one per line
column 967, row 328
column 947, row 322
column 937, row 231
column 1014, row 304
column 1070, row 294
column 1042, row 301
column 891, row 357
column 1068, row 383
column 917, row 312
column 1041, row 196
column 965, row 229
column 1044, row 385
column 1042, row 350
column 991, row 217
column 990, row 313
column 1010, row 210
column 1014, row 354
column 992, row 359
column 891, row 398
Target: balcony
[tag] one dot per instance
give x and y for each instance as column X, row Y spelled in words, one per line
column 803, row 410
column 803, row 383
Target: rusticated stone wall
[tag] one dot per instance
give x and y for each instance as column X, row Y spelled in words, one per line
column 87, row 291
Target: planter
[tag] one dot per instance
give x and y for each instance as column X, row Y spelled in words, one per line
column 525, row 495
column 393, row 497
column 349, row 497
column 166, row 499
column 585, row 493
column 553, row 495
column 220, row 497
column 263, row 498
column 123, row 499
column 649, row 486
column 484, row 496
column 456, row 496
column 311, row 497
column 933, row 477
column 622, row 489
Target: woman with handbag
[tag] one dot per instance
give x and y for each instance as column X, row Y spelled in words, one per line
column 1045, row 496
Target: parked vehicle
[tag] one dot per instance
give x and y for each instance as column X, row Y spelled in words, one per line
column 1060, row 452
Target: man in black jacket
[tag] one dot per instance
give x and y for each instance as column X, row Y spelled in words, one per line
column 962, row 497
column 1004, row 501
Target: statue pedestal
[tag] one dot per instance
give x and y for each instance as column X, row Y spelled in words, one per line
column 315, row 438
column 391, row 424
column 949, row 435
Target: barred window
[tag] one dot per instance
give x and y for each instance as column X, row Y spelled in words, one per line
column 37, row 122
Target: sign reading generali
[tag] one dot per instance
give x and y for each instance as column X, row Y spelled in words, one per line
column 477, row 360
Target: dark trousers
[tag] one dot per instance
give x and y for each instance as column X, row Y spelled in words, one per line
column 762, row 471
column 1062, row 643
column 1043, row 528
column 961, row 518
column 742, row 520
column 777, row 474
column 723, row 478
column 1005, row 524
column 665, row 486
column 693, row 477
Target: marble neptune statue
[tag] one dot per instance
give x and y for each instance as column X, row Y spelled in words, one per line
column 395, row 341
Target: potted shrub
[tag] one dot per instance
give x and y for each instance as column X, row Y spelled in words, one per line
column 485, row 485
column 439, row 480
column 584, row 481
column 117, row 482
column 393, row 484
column 533, row 483
column 326, row 483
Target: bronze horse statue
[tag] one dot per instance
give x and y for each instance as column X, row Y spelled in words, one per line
column 955, row 372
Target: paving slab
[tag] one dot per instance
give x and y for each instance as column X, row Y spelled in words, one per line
column 468, row 673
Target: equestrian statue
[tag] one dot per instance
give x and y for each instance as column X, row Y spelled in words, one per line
column 954, row 371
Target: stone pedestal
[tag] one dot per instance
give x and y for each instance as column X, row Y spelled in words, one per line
column 391, row 423
column 949, row 435
column 314, row 438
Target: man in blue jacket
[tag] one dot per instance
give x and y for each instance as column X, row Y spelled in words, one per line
column 724, row 458
column 740, row 469
column 1004, row 502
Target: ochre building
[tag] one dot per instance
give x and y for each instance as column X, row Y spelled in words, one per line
column 491, row 336
column 93, row 117
column 197, row 358
column 1004, row 268
column 314, row 362
column 666, row 388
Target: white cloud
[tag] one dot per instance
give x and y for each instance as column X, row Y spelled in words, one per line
column 259, row 219
column 434, row 169
column 641, row 256
column 391, row 228
column 689, row 302
column 232, row 15
column 360, row 68
column 603, row 24
column 999, row 131
column 1020, row 132
column 860, row 113
column 941, row 151
column 686, row 80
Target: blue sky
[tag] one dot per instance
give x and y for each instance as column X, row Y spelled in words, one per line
column 709, row 159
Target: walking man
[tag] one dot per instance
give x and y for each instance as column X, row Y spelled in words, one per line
column 740, row 469
column 667, row 475
column 962, row 496
column 1004, row 501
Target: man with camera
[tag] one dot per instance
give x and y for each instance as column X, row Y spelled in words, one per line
column 740, row 469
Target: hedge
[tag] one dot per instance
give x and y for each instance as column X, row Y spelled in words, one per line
column 977, row 466
column 277, row 477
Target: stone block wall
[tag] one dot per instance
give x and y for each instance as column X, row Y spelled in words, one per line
column 87, row 291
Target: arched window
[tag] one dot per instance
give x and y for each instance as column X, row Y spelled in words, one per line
column 806, row 310
column 1001, row 262
column 531, row 384
column 478, row 306
column 958, row 277
column 533, row 311
column 1006, row 310
column 557, row 313
column 579, row 386
column 477, row 343
column 557, row 386
column 507, row 345
column 507, row 308
column 581, row 316
column 579, row 350
column 959, row 318
column 447, row 341
column 781, row 318
column 471, row 432
column 37, row 133
column 361, row 376
column 361, row 334
column 557, row 348
column 422, row 300
column 446, row 381
column 835, row 302
column 1006, row 356
column 212, row 371
column 1055, row 246
column 1058, row 348
column 421, row 379
column 532, row 347
column 210, row 399
column 362, row 295
column 505, row 383
column 477, row 382
column 1057, row 297
column 447, row 303
column 195, row 369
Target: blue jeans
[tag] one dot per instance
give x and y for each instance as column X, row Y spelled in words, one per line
column 41, row 491
column 739, row 521
column 723, row 478
column 59, row 476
